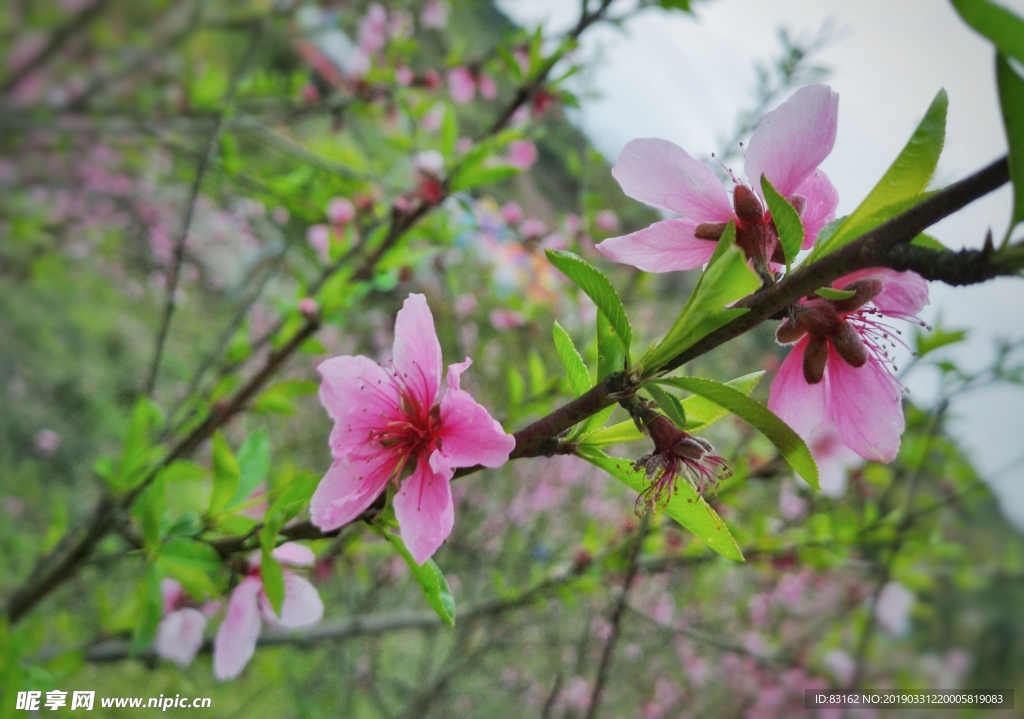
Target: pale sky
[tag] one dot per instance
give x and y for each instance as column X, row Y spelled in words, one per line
column 685, row 80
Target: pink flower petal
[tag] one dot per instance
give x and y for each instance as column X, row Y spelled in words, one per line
column 821, row 200
column 797, row 403
column 236, row 638
column 461, row 86
column 834, row 458
column 666, row 246
column 301, row 607
column 425, row 511
column 295, row 554
column 180, row 635
column 662, row 174
column 469, row 435
column 864, row 402
column 793, row 139
column 417, row 353
column 348, row 488
column 488, row 88
column 171, row 590
column 903, row 293
column 356, row 392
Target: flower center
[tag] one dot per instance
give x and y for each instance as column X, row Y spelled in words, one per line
column 852, row 326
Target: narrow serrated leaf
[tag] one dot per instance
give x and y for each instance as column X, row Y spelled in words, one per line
column 790, row 445
column 598, row 288
column 273, row 581
column 902, row 184
column 431, row 580
column 787, row 221
column 669, row 404
column 572, row 362
column 1002, row 27
column 225, row 474
column 684, row 505
column 1011, row 102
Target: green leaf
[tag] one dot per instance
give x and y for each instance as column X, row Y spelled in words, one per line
column 468, row 178
column 273, row 581
column 786, row 219
column 190, row 562
column 431, row 580
column 669, row 404
column 830, row 293
column 925, row 342
column 225, row 474
column 598, row 288
column 253, row 465
column 151, row 513
column 289, row 502
column 449, row 132
column 136, row 452
column 190, row 553
column 792, row 448
column 182, row 470
column 928, row 241
column 684, row 505
column 1011, row 101
column 572, row 362
column 682, row 5
column 1003, row 28
column 902, row 184
column 278, row 398
column 727, row 278
column 616, row 434
column 611, row 355
column 150, row 602
column 699, row 414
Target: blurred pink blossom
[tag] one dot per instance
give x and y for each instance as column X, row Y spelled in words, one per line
column 512, row 213
column 340, row 210
column 235, row 642
column 319, row 238
column 47, row 441
column 506, row 319
column 892, row 609
column 522, row 154
column 606, row 221
column 434, row 14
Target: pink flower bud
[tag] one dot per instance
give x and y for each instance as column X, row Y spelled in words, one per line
column 607, row 221
column 319, row 238
column 429, row 162
column 512, row 213
column 522, row 154
column 404, row 76
column 434, row 14
column 308, row 307
column 340, row 211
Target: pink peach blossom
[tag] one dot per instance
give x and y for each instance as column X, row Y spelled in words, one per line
column 840, row 370
column 461, row 86
column 179, row 636
column 319, row 238
column 606, row 221
column 464, row 82
column 235, row 642
column 434, row 14
column 390, row 428
column 512, row 213
column 340, row 210
column 787, row 148
column 522, row 154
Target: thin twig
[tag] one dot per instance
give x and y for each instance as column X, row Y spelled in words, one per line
column 179, row 249
column 616, row 619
